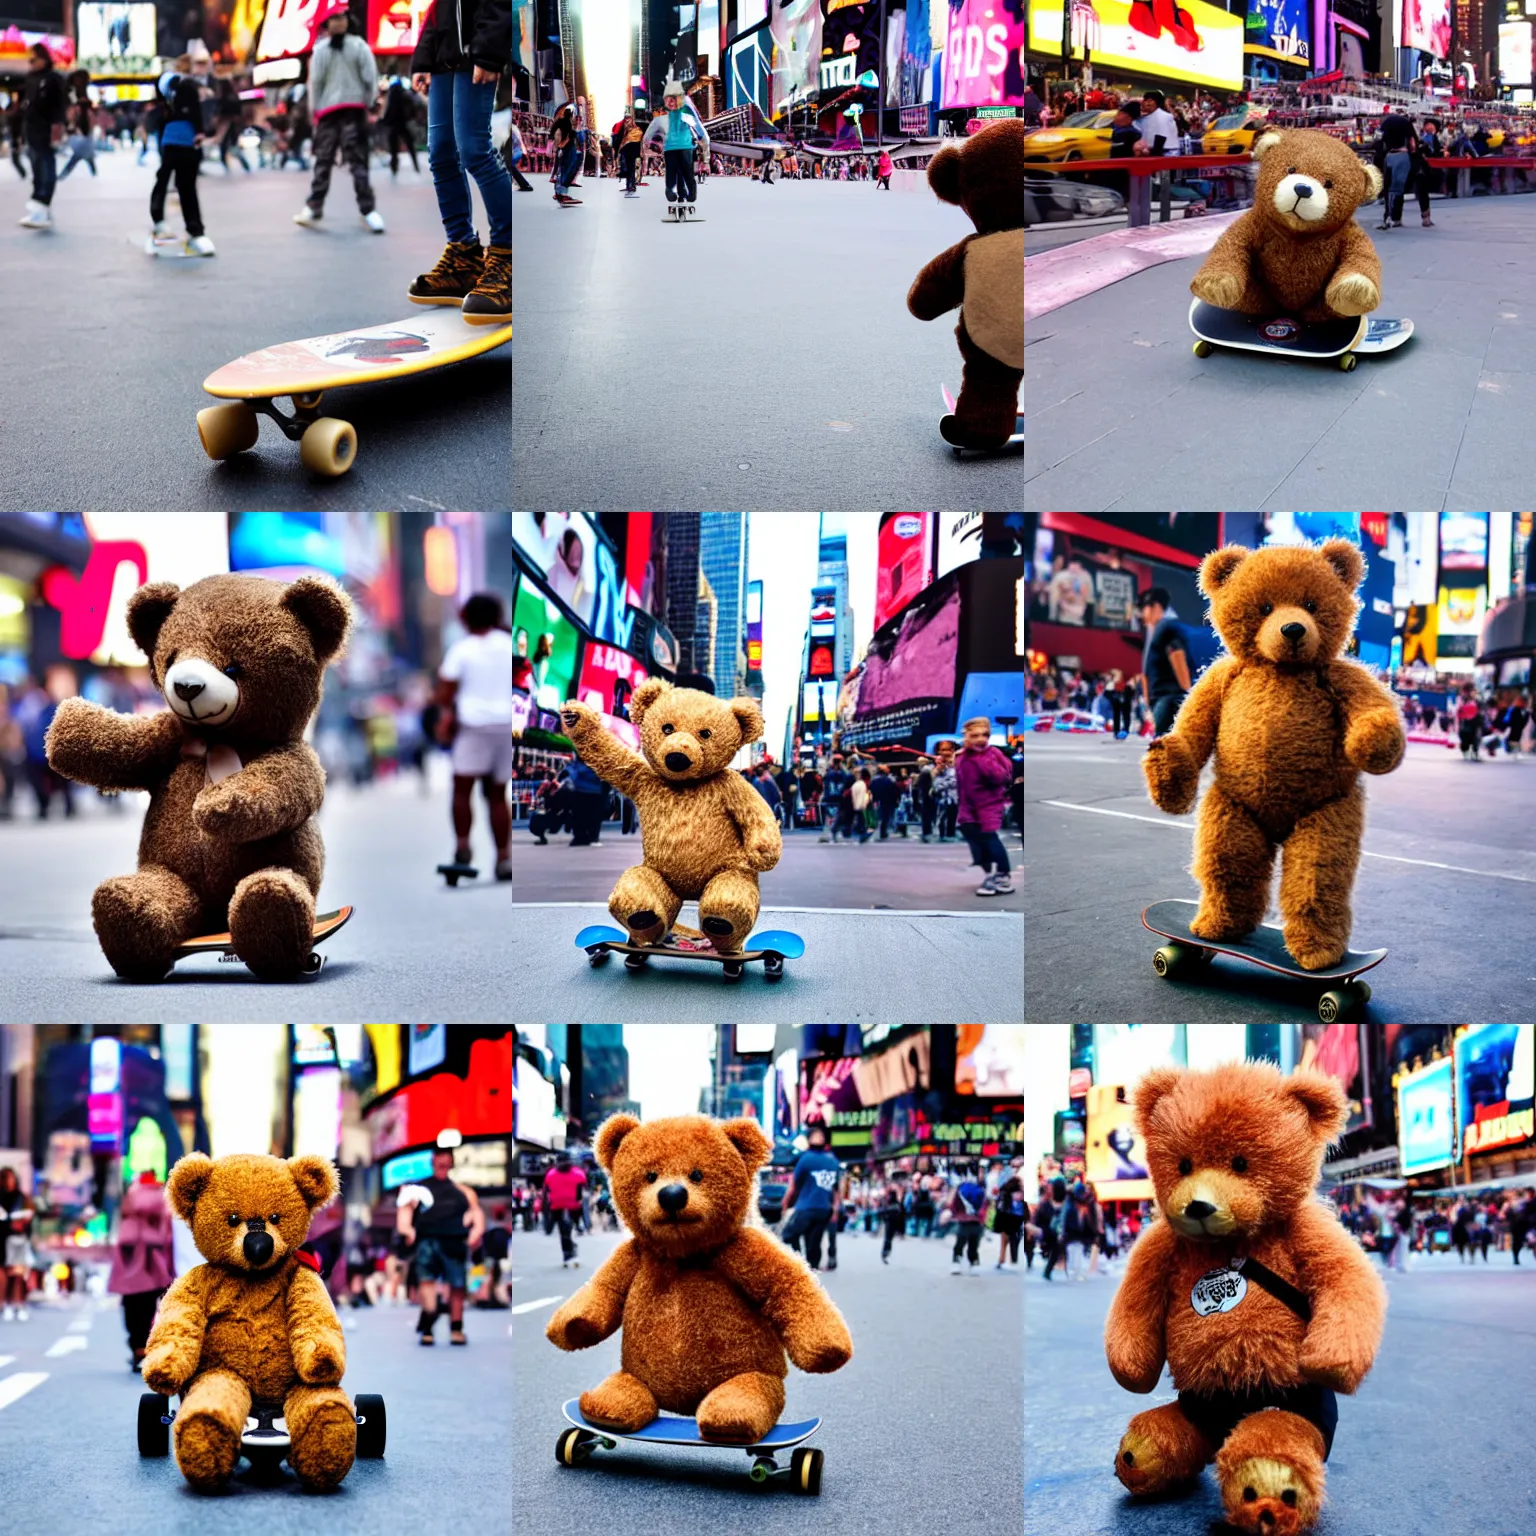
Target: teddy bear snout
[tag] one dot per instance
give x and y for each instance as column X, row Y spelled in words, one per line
column 1198, row 1210
column 672, row 1198
column 678, row 762
column 200, row 693
column 1293, row 632
column 1301, row 199
column 257, row 1248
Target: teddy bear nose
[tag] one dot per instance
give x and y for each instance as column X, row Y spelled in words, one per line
column 678, row 761
column 188, row 691
column 1198, row 1210
column 1293, row 631
column 672, row 1198
column 258, row 1248
column 1302, row 188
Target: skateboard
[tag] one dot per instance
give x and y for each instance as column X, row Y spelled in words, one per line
column 302, row 370
column 264, row 1442
column 1015, row 444
column 171, row 247
column 326, row 923
column 575, row 1445
column 682, row 213
column 1343, row 341
column 773, row 947
column 453, row 873
column 1265, row 946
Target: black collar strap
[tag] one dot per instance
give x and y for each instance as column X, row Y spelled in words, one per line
column 1281, row 1290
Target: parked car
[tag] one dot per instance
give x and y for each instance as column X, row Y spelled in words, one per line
column 1233, row 134
column 1054, row 200
column 1082, row 136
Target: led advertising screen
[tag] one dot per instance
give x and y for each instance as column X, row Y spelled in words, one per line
column 1341, row 1050
column 1458, row 623
column 1495, row 1086
column 1216, row 60
column 289, row 29
column 563, row 549
column 819, row 703
column 115, row 38
column 794, row 32
column 1122, row 1052
column 984, row 54
column 1463, row 541
column 913, row 657
column 1279, row 29
column 1115, row 1155
column 754, row 626
column 904, row 567
column 989, row 1060
column 850, row 45
column 1426, row 25
column 608, row 677
column 544, row 648
column 394, row 26
column 1425, row 1133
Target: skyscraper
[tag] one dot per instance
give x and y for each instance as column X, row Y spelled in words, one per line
column 682, row 611
column 832, row 569
column 723, row 556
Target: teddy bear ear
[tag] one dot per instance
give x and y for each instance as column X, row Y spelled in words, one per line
column 1373, row 182
column 1151, row 1090
column 1217, row 567
column 944, row 175
column 1265, row 142
column 148, row 609
column 646, row 695
column 316, row 1178
column 322, row 608
column 1324, row 1101
column 749, row 716
column 616, row 1127
column 1345, row 558
column 748, row 1138
column 188, row 1179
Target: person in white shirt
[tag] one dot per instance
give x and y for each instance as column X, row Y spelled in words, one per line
column 1157, row 121
column 474, row 692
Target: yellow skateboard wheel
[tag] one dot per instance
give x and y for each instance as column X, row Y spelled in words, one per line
column 226, row 430
column 328, row 446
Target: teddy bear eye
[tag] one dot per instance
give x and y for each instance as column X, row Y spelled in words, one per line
column 1266, row 608
column 650, row 1178
column 1186, row 1167
column 1291, row 171
column 1329, row 185
column 1310, row 606
column 234, row 1221
column 1239, row 1165
column 667, row 730
column 274, row 1218
column 696, row 1176
column 703, row 735
column 234, row 669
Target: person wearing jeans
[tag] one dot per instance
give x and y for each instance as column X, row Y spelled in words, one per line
column 42, row 119
column 983, row 776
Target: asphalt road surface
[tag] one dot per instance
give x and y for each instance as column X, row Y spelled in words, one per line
column 1447, row 886
column 413, row 949
column 1423, row 1449
column 920, row 1429
column 107, row 348
column 761, row 358
column 68, row 1406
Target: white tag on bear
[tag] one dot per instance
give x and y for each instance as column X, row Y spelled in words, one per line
column 222, row 761
column 1218, row 1290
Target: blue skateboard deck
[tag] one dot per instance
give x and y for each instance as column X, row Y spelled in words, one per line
column 772, row 946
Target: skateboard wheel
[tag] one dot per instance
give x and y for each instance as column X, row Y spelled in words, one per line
column 1347, row 362
column 1363, row 992
column 1203, row 349
column 1172, row 960
column 312, row 963
column 307, row 402
column 226, row 430
column 1334, row 1005
column 773, row 967
column 370, row 1425
column 573, row 1446
column 635, row 962
column 598, row 956
column 762, row 1469
column 733, row 970
column 154, row 1432
column 806, row 1467
column 328, row 446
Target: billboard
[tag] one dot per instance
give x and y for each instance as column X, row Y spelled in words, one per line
column 544, row 648
column 608, row 677
column 1495, row 1086
column 1115, row 1154
column 1425, row 1134
column 1463, row 541
column 1342, row 1051
column 1279, row 29
column 819, row 703
column 1515, row 52
column 563, row 549
column 989, row 1060
column 1459, row 622
column 984, row 54
column 394, row 26
column 289, row 29
column 1207, row 52
column 754, row 626
column 1426, row 25
column 850, row 45
column 911, row 661
column 903, row 564
column 115, row 38
column 794, row 34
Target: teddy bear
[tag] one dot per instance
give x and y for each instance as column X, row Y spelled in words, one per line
column 254, row 1323
column 984, row 276
column 1245, row 1283
column 1292, row 726
column 1298, row 251
column 709, row 1303
column 705, row 833
column 229, row 841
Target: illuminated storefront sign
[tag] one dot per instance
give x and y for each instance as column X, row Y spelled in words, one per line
column 1425, row 1133
column 1495, row 1086
column 1118, row 36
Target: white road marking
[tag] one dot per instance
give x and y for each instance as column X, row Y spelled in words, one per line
column 80, row 1325
column 65, row 1346
column 12, row 1387
column 6, row 1360
column 533, row 1306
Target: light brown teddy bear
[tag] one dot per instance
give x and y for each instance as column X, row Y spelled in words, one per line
column 229, row 840
column 709, row 1304
column 1298, row 250
column 1292, row 726
column 1261, row 1304
column 705, row 833
column 254, row 1322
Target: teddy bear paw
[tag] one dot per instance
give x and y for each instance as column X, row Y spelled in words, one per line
column 1374, row 746
column 323, row 1455
column 1268, row 1497
column 206, row 1449
column 1141, row 1464
column 1221, row 289
column 1312, row 949
column 1353, row 293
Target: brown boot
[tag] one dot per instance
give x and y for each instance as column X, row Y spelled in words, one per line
column 491, row 301
column 456, row 273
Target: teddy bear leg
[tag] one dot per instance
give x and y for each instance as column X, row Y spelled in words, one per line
column 743, row 1409
column 322, row 1429
column 1271, row 1473
column 1317, row 878
column 208, row 1427
column 272, row 923
column 987, row 408
column 645, row 904
column 728, row 909
column 622, row 1402
column 1159, row 1450
column 141, row 918
column 1233, row 862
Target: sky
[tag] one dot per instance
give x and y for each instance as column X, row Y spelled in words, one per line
column 668, row 1065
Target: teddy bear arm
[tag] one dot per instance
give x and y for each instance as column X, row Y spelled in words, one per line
column 1349, row 1301
column 1226, row 277
column 1135, row 1337
column 314, row 1332
column 940, row 286
column 597, row 1309
column 1374, row 738
column 815, row 1336
column 1173, row 762
column 175, row 1343
column 603, row 752
column 276, row 792
column 760, row 838
column 1357, row 260
column 97, row 746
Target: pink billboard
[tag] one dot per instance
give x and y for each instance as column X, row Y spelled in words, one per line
column 1427, row 26
column 984, row 54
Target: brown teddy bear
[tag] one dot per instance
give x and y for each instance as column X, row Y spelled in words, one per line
column 1261, row 1304
column 229, row 840
column 1298, row 250
column 704, row 831
column 1293, row 727
column 984, row 276
column 254, row 1322
column 709, row 1304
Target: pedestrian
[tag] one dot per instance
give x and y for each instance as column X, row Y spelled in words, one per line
column 1460, row 1234
column 887, row 796
column 681, row 132
column 762, row 781
column 812, row 1193
column 967, row 1205
column 1119, row 704
column 1396, row 147
column 629, row 136
column 442, row 1217
column 343, row 84
column 1522, row 1218
column 983, row 777
column 885, row 168
column 228, row 116
column 181, row 155
column 893, row 1214
column 922, row 1209
column 44, row 109
column 588, row 799
column 399, row 119
column 517, row 154
column 15, row 1244
column 564, row 1186
column 1469, row 722
column 474, row 694
column 1165, row 659
column 1010, row 1213
column 833, row 783
column 142, row 1259
column 1049, row 1218
column 789, row 790
column 945, row 790
column 562, row 137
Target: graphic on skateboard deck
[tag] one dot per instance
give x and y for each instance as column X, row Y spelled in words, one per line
column 1265, row 946
column 302, row 370
column 772, row 946
column 453, row 873
column 575, row 1445
column 1015, row 444
column 681, row 213
column 1343, row 341
column 326, row 923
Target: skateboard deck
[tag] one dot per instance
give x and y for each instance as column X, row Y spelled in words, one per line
column 1339, row 340
column 453, row 873
column 1265, row 946
column 772, row 946
column 326, row 923
column 575, row 1445
column 302, row 370
column 1015, row 444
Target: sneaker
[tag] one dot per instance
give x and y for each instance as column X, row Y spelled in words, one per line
column 160, row 230
column 21, row 1314
column 202, row 245
column 427, row 1340
column 455, row 275
column 1397, row 223
column 308, row 216
column 954, row 1268
column 504, row 869
column 987, row 887
column 38, row 217
column 568, row 202
column 1427, row 222
column 1002, row 885
column 456, row 1336
column 489, row 302
column 1385, row 224
column 374, row 220
column 8, row 1315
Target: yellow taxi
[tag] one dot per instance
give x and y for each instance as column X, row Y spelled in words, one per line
column 1082, row 136
column 1233, row 134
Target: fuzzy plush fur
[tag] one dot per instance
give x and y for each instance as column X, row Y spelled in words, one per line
column 708, row 1303
column 704, row 831
column 984, row 276
column 228, row 1332
column 1292, row 727
column 1198, row 1128
column 240, row 853
column 1313, row 264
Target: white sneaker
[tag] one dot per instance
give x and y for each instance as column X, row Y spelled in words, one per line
column 26, row 218
column 21, row 1314
column 8, row 1315
column 954, row 1268
column 1002, row 885
column 202, row 245
column 307, row 215
column 37, row 217
column 375, row 221
column 987, row 886
column 160, row 231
